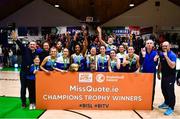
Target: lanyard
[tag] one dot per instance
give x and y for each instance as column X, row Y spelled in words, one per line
column 78, row 59
column 36, row 67
column 113, row 63
column 102, row 60
column 65, row 62
column 131, row 60
column 52, row 62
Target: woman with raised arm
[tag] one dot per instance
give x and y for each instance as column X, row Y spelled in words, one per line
column 109, row 45
column 78, row 56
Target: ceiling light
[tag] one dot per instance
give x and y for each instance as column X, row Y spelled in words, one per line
column 131, row 5
column 56, row 5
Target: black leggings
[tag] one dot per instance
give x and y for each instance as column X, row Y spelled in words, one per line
column 32, row 91
column 23, row 82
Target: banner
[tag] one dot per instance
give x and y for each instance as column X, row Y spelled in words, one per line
column 97, row 91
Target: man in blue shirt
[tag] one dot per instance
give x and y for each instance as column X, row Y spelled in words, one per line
column 167, row 67
column 149, row 60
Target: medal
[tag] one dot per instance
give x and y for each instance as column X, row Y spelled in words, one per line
column 37, row 68
column 102, row 61
column 131, row 62
column 53, row 63
column 65, row 62
column 79, row 60
column 113, row 63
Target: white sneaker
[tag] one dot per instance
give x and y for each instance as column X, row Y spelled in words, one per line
column 34, row 106
column 30, row 106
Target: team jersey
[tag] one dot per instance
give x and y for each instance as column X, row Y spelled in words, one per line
column 80, row 60
column 59, row 54
column 31, row 75
column 62, row 63
column 50, row 64
column 102, row 63
column 121, row 56
column 113, row 65
column 132, row 66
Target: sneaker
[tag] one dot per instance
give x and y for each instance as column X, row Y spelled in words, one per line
column 34, row 106
column 163, row 106
column 169, row 111
column 30, row 106
column 23, row 105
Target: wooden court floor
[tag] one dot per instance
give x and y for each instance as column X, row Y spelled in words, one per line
column 10, row 85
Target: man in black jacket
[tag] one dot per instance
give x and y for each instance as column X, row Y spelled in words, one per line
column 28, row 54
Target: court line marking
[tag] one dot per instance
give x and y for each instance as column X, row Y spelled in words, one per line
column 137, row 114
column 41, row 114
column 78, row 113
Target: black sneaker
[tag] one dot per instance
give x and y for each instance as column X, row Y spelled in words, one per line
column 23, row 106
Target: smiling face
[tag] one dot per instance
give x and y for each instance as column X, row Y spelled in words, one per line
column 32, row 45
column 102, row 49
column 36, row 61
column 110, row 40
column 59, row 45
column 77, row 48
column 93, row 51
column 46, row 46
column 130, row 50
column 53, row 52
column 149, row 44
column 166, row 46
column 121, row 49
column 65, row 52
column 112, row 54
